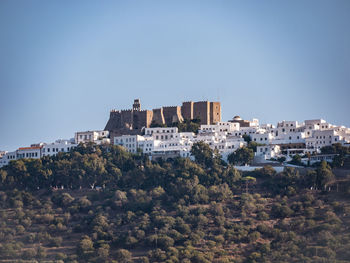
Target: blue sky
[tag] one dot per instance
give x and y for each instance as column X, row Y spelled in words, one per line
column 65, row 64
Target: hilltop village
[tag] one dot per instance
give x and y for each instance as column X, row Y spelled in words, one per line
column 156, row 133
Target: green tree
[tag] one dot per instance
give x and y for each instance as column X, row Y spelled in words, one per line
column 85, row 246
column 103, row 251
column 202, row 153
column 324, row 175
column 3, row 175
column 242, row 156
column 123, row 256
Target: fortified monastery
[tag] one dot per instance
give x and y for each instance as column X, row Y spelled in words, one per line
column 131, row 121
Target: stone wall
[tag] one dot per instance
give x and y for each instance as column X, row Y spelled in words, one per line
column 187, row 110
column 172, row 114
column 201, row 110
column 158, row 116
column 125, row 121
column 215, row 112
column 142, row 119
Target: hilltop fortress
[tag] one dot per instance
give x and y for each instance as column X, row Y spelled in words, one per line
column 131, row 121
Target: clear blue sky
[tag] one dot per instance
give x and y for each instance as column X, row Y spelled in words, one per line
column 65, row 64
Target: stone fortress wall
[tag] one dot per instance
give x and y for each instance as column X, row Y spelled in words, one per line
column 131, row 121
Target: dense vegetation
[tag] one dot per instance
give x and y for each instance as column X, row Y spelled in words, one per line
column 102, row 204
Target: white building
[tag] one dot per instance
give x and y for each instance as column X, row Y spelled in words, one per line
column 51, row 149
column 222, row 127
column 147, row 145
column 33, row 152
column 267, row 152
column 162, row 133
column 7, row 157
column 97, row 137
column 322, row 138
column 246, row 131
column 37, row 151
column 262, row 138
column 130, row 142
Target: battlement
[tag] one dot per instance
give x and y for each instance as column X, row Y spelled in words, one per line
column 170, row 107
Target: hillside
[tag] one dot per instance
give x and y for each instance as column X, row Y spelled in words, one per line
column 102, row 204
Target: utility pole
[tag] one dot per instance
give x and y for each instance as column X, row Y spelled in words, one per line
column 155, row 231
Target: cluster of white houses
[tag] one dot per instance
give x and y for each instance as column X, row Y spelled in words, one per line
column 39, row 150
column 287, row 139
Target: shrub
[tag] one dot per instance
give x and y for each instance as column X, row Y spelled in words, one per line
column 123, row 256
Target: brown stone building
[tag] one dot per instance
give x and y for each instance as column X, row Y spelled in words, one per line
column 133, row 120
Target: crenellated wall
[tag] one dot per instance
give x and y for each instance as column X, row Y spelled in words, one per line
column 131, row 121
